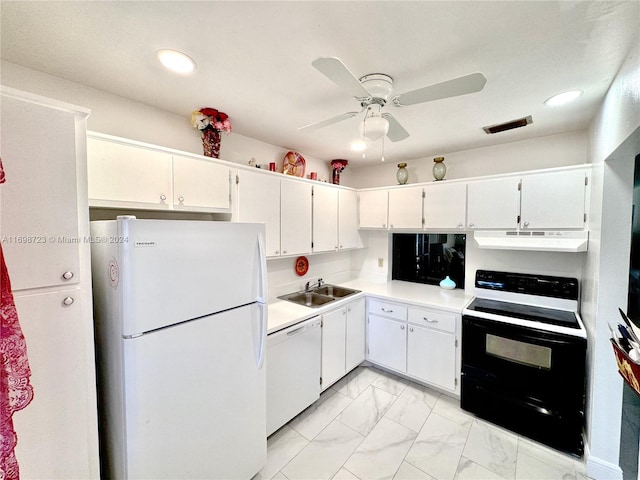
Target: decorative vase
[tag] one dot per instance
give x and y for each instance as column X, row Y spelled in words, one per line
column 211, row 143
column 439, row 168
column 402, row 174
column 447, row 283
column 335, row 176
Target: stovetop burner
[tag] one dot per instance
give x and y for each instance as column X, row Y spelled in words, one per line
column 533, row 313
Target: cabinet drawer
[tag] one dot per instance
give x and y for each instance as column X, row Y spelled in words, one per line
column 386, row 309
column 429, row 318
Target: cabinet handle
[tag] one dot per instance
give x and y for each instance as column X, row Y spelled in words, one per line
column 401, row 327
column 472, row 225
column 384, row 225
column 284, row 252
column 430, row 321
column 68, row 275
column 460, row 225
column 525, row 224
column 67, row 301
column 385, row 310
column 349, row 309
column 277, row 252
column 391, row 226
column 411, row 329
column 163, row 197
column 181, row 199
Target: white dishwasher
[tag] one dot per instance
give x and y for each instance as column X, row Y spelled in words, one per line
column 293, row 371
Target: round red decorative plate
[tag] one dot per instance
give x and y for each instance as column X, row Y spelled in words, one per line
column 302, row 265
column 293, row 164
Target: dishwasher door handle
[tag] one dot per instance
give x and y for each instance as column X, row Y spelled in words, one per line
column 296, row 331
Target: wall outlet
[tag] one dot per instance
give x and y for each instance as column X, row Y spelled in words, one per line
column 380, row 262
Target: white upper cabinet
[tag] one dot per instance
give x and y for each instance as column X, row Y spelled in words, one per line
column 553, row 200
column 125, row 174
column 445, row 205
column 295, row 217
column 200, row 185
column 493, row 203
column 39, row 216
column 405, row 208
column 348, row 236
column 259, row 202
column 121, row 175
column 372, row 207
column 325, row 218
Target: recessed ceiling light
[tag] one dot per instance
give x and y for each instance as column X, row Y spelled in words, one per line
column 176, row 61
column 563, row 98
column 358, row 145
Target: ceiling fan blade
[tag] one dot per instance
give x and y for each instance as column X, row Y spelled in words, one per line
column 324, row 123
column 338, row 73
column 396, row 131
column 451, row 88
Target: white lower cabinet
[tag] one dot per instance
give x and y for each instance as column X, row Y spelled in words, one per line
column 387, row 342
column 343, row 341
column 420, row 343
column 431, row 347
column 57, row 431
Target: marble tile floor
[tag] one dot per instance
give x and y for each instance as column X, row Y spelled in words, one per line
column 374, row 425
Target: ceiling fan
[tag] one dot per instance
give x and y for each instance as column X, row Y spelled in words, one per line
column 374, row 90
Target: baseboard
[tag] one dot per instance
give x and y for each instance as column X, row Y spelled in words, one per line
column 599, row 469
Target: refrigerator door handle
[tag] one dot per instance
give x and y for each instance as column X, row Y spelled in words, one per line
column 263, row 334
column 262, row 294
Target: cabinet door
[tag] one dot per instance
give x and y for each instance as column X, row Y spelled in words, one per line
column 445, row 205
column 405, row 208
column 259, row 202
column 200, row 185
column 493, row 203
column 126, row 175
column 387, row 342
column 39, row 219
column 56, row 430
column 325, row 218
column 431, row 356
column 553, row 200
column 348, row 236
column 372, row 208
column 333, row 346
column 355, row 343
column 295, row 217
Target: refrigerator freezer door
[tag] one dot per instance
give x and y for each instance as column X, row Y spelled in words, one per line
column 171, row 271
column 195, row 399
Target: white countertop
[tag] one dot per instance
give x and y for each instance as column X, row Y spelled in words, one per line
column 283, row 314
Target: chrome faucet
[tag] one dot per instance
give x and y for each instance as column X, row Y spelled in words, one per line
column 308, row 286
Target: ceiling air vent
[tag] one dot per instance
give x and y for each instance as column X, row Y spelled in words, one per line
column 520, row 122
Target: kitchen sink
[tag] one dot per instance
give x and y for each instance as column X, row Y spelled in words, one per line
column 307, row 299
column 319, row 295
column 335, row 291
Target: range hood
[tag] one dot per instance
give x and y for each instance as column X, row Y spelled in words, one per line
column 545, row 240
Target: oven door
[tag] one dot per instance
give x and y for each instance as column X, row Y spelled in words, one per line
column 529, row 380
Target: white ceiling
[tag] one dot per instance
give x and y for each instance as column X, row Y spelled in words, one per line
column 254, row 62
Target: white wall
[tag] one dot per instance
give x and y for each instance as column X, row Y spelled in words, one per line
column 614, row 140
column 119, row 116
column 544, row 152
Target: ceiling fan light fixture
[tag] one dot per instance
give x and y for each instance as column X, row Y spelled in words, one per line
column 176, row 61
column 374, row 127
column 563, row 98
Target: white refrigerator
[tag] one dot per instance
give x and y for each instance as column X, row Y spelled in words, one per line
column 180, row 319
